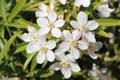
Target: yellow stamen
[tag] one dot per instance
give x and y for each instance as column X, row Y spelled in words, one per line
column 73, row 43
column 64, row 64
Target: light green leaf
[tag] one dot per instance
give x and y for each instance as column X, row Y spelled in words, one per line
column 33, row 63
column 103, row 33
column 16, row 9
column 29, row 58
column 21, row 47
column 25, row 23
column 108, row 22
column 7, row 45
column 46, row 75
column 3, row 10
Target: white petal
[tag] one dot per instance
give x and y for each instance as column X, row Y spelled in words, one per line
column 67, row 35
column 40, row 57
column 76, row 34
column 85, row 3
column 90, row 37
column 42, row 22
column 43, row 31
column 104, row 70
column 52, row 16
column 92, row 55
column 51, row 44
column 26, row 37
column 66, row 72
column 41, row 14
column 74, row 52
column 82, row 18
column 50, row 56
column 56, row 32
column 42, row 40
column 64, row 46
column 74, row 67
column 60, row 56
column 32, row 47
column 92, row 25
column 82, row 45
column 63, row 2
column 78, row 3
column 43, row 7
column 97, row 46
column 70, row 58
column 59, row 23
column 55, row 67
column 74, row 24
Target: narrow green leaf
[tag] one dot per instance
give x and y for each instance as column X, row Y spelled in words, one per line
column 3, row 10
column 25, row 23
column 46, row 75
column 108, row 22
column 2, row 31
column 29, row 58
column 33, row 63
column 7, row 45
column 74, row 12
column 103, row 33
column 93, row 6
column 16, row 9
column 21, row 47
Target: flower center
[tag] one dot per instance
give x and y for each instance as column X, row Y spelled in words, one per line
column 84, row 28
column 73, row 43
column 42, row 49
column 90, row 47
column 98, row 72
column 104, row 10
column 48, row 10
column 50, row 25
column 64, row 64
column 33, row 37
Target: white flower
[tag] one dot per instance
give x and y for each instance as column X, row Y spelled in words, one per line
column 85, row 26
column 44, row 10
column 44, row 50
column 63, row 2
column 92, row 48
column 84, row 3
column 31, row 37
column 98, row 74
column 105, row 11
column 66, row 64
column 71, row 42
column 50, row 24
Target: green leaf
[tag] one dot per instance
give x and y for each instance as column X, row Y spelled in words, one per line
column 29, row 58
column 103, row 33
column 46, row 75
column 25, row 23
column 108, row 22
column 2, row 9
column 21, row 47
column 93, row 6
column 33, row 63
column 7, row 45
column 2, row 31
column 16, row 9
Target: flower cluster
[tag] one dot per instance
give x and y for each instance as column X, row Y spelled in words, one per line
column 73, row 42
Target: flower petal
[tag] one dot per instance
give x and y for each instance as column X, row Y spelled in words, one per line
column 43, row 7
column 78, row 3
column 42, row 22
column 76, row 34
column 63, row 2
column 74, row 24
column 66, row 72
column 74, row 52
column 82, row 45
column 92, row 55
column 41, row 14
column 51, row 44
column 32, row 47
column 91, row 37
column 40, row 58
column 59, row 23
column 42, row 40
column 26, row 37
column 60, row 55
column 50, row 55
column 64, row 46
column 56, row 32
column 55, row 67
column 97, row 46
column 74, row 67
column 85, row 3
column 67, row 35
column 43, row 31
column 92, row 25
column 52, row 16
column 82, row 18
